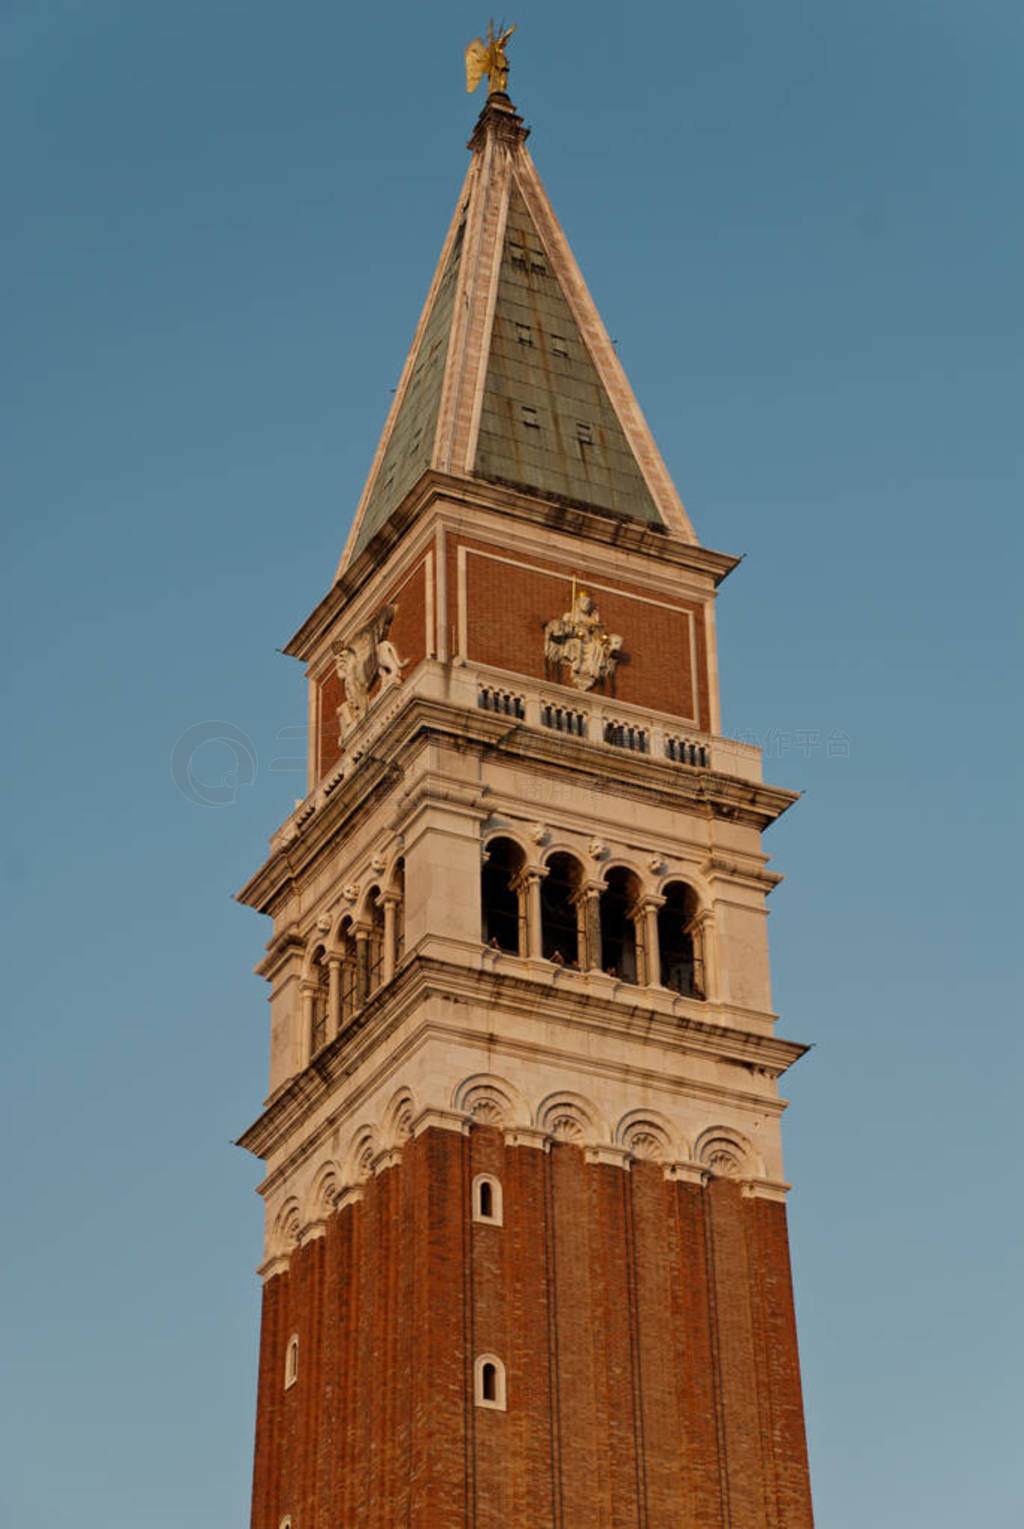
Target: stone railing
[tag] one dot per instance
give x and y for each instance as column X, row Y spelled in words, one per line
column 612, row 723
column 594, row 719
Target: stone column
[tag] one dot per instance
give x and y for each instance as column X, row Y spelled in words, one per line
column 390, row 955
column 532, row 879
column 652, row 945
column 704, row 942
column 362, row 966
column 590, row 905
column 305, row 1046
column 333, row 996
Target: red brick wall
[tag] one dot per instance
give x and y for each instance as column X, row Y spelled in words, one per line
column 510, row 597
column 408, row 633
column 646, row 1328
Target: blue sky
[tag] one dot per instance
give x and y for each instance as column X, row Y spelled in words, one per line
column 803, row 226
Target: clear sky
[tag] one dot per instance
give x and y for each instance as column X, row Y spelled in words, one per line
column 802, row 223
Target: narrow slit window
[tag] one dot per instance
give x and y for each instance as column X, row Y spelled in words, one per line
column 530, row 417
column 584, row 433
column 489, row 1382
column 291, row 1361
column 559, row 346
column 487, row 1199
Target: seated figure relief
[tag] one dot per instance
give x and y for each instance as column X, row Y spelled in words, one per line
column 576, row 641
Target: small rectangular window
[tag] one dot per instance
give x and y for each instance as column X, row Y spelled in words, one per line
column 538, row 263
column 584, row 433
column 530, row 416
column 559, row 347
column 524, row 334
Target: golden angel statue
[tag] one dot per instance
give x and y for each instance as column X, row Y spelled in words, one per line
column 488, row 58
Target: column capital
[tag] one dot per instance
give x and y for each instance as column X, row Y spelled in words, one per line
column 528, row 874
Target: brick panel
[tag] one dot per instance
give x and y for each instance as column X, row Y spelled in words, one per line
column 658, row 1401
column 780, row 1390
column 734, row 1343
column 646, row 1328
column 533, row 1460
column 510, row 597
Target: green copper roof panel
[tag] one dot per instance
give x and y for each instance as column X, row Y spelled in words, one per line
column 412, row 439
column 547, row 423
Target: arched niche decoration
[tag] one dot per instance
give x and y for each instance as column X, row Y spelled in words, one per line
column 490, row 1100
column 569, row 1117
column 396, row 1122
column 648, row 1136
column 725, row 1152
column 323, row 1192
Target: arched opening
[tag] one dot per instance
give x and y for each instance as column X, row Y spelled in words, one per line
column 291, row 1361
column 679, row 941
column 321, row 977
column 501, row 899
column 559, row 910
column 621, row 934
column 489, row 1382
column 375, row 937
column 487, row 1204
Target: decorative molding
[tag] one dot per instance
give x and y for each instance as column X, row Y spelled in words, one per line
column 390, row 1157
column 333, row 1181
column 527, row 1136
column 604, row 1152
column 351, row 1195
column 440, row 1120
column 766, row 1189
column 687, row 1173
column 278, row 1263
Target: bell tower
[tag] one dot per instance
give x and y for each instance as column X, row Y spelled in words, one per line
column 525, row 1263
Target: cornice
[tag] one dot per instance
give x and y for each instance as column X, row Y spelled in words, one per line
column 501, row 499
column 425, row 718
column 424, row 978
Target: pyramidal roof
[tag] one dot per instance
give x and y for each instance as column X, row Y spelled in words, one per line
column 511, row 377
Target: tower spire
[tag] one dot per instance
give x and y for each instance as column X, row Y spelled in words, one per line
column 511, row 377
